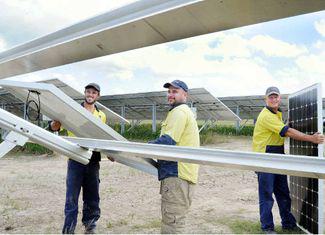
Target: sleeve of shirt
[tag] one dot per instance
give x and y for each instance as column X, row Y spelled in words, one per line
column 273, row 124
column 176, row 125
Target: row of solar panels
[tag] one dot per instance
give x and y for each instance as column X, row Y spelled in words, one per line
column 138, row 106
column 305, row 115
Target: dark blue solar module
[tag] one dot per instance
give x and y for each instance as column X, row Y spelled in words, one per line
column 306, row 193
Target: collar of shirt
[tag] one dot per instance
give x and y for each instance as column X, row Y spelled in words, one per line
column 171, row 107
column 271, row 110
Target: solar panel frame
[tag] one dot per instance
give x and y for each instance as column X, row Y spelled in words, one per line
column 56, row 105
column 305, row 107
column 79, row 97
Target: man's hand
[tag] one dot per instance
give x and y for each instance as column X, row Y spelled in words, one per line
column 55, row 125
column 318, row 138
column 110, row 158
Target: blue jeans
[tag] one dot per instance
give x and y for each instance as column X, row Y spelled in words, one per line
column 87, row 177
column 267, row 185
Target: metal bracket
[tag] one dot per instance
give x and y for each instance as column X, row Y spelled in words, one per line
column 11, row 140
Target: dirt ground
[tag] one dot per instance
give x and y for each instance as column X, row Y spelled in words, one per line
column 32, row 195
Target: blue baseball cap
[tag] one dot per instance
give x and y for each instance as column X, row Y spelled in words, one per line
column 177, row 84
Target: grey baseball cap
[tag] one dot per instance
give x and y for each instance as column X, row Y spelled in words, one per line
column 272, row 90
column 93, row 85
column 177, row 84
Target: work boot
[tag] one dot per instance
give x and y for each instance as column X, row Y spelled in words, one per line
column 269, row 231
column 90, row 230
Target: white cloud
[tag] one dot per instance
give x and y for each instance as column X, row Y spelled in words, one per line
column 231, row 45
column 320, row 27
column 312, row 64
column 276, row 48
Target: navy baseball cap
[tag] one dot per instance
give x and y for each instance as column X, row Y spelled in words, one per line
column 93, row 85
column 177, row 84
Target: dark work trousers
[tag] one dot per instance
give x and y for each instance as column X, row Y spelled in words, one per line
column 267, row 185
column 85, row 177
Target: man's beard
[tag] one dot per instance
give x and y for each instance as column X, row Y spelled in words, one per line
column 91, row 103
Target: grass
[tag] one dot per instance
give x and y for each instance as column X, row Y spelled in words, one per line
column 242, row 226
column 32, row 148
column 156, row 223
column 144, row 132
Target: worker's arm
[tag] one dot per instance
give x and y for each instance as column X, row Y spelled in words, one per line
column 174, row 129
column 316, row 138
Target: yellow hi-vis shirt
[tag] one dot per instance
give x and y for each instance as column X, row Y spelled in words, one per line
column 269, row 132
column 97, row 113
column 181, row 126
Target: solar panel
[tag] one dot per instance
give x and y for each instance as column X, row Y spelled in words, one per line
column 138, row 106
column 56, row 105
column 305, row 115
column 79, row 97
column 250, row 106
column 147, row 23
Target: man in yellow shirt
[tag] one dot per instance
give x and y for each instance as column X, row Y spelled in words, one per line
column 83, row 176
column 177, row 178
column 268, row 137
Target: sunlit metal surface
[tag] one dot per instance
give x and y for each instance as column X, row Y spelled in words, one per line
column 38, row 135
column 273, row 163
column 144, row 23
column 78, row 96
column 56, row 105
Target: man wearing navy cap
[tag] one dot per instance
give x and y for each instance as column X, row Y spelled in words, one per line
column 83, row 176
column 268, row 137
column 177, row 178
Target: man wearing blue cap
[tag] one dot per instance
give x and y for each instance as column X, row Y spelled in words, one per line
column 268, row 137
column 177, row 178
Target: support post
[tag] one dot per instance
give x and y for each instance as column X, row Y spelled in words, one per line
column 123, row 123
column 25, row 111
column 154, row 118
column 237, row 122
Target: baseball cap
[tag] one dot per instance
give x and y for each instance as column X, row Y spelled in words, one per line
column 272, row 90
column 177, row 84
column 93, row 85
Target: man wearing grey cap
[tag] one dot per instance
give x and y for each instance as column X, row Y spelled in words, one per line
column 268, row 137
column 178, row 179
column 83, row 176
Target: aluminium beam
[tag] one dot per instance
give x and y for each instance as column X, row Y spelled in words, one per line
column 58, row 106
column 146, row 23
column 38, row 135
column 263, row 162
column 11, row 140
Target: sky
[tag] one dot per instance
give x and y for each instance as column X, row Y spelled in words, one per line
column 288, row 53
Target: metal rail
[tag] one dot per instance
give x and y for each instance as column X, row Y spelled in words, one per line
column 36, row 134
column 274, row 163
column 147, row 22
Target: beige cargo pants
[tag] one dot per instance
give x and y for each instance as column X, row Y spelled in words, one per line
column 176, row 199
